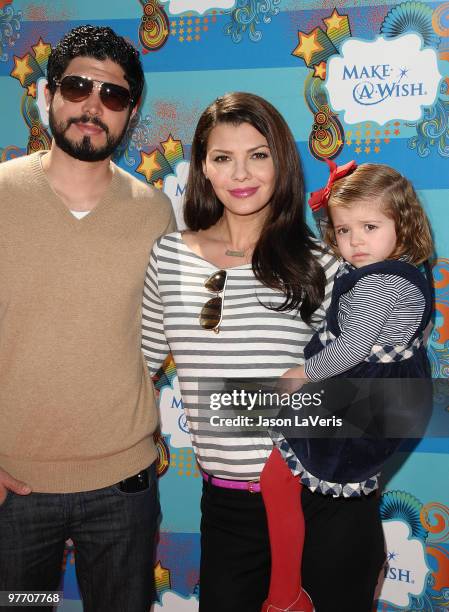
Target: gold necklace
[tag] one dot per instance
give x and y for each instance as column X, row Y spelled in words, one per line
column 232, row 253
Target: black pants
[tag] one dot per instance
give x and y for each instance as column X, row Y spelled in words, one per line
column 343, row 552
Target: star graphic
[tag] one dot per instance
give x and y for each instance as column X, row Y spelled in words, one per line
column 320, row 71
column 367, row 149
column 349, row 142
column 159, row 184
column 308, row 45
column 32, row 90
column 376, row 149
column 170, row 145
column 396, row 132
column 391, row 556
column 339, row 142
column 161, row 576
column 21, row 68
column 358, row 150
column 334, row 22
column 148, row 165
column 41, row 50
column 403, row 72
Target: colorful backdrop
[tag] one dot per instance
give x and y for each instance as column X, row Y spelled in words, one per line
column 354, row 79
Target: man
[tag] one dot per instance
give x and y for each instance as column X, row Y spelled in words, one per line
column 76, row 403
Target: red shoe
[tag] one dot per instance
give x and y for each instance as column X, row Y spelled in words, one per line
column 302, row 603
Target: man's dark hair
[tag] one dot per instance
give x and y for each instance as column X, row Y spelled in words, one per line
column 101, row 43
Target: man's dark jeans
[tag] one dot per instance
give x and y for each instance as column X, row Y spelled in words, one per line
column 114, row 537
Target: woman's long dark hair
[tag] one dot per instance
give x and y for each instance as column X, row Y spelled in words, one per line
column 282, row 258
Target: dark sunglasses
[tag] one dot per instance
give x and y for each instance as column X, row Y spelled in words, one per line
column 75, row 88
column 212, row 311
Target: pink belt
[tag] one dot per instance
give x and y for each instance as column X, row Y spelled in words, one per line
column 253, row 486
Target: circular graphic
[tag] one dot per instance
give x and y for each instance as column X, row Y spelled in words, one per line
column 154, row 27
column 163, row 455
column 410, row 17
column 400, row 505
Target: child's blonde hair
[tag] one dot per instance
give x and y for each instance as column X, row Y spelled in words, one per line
column 398, row 201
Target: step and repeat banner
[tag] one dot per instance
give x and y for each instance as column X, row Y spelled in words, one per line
column 355, row 80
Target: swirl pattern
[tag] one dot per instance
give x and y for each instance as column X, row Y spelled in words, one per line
column 9, row 29
column 247, row 16
column 154, row 26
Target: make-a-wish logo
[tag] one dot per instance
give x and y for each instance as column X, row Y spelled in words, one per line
column 405, row 571
column 173, row 417
column 382, row 80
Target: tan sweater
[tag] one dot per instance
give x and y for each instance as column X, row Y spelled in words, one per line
column 77, row 407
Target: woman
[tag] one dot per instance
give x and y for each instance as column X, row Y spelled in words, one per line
column 249, row 245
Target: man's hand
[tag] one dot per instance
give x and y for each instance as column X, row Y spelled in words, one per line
column 8, row 483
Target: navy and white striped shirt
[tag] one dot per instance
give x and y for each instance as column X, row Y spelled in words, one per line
column 254, row 342
column 381, row 309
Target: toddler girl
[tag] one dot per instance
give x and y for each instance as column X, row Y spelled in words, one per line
column 381, row 305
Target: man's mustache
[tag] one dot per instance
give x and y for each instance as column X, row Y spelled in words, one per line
column 87, row 119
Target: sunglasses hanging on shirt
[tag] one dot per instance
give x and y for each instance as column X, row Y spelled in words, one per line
column 212, row 311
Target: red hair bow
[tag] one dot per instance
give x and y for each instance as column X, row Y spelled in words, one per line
column 319, row 199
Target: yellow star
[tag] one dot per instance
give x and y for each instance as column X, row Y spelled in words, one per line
column 170, row 145
column 308, row 45
column 320, row 71
column 41, row 50
column 358, row 150
column 339, row 142
column 161, row 576
column 32, row 90
column 22, row 68
column 148, row 165
column 159, row 184
column 376, row 149
column 334, row 22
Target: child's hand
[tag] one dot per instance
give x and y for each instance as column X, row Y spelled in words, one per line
column 292, row 379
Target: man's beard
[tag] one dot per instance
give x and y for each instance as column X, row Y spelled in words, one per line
column 84, row 150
